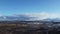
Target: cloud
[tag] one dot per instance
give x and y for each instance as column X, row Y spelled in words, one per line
column 40, row 16
column 32, row 16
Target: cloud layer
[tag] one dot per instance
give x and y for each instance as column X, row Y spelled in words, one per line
column 33, row 16
column 42, row 15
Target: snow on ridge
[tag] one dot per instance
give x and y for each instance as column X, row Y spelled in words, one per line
column 34, row 16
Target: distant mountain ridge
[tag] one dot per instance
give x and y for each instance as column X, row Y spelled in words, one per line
column 26, row 18
column 20, row 17
column 53, row 20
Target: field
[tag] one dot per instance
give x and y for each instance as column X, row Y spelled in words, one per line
column 27, row 28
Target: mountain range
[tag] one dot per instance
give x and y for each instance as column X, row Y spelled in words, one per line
column 26, row 18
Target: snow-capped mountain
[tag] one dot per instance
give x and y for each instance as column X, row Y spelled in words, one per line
column 52, row 20
column 27, row 18
column 20, row 18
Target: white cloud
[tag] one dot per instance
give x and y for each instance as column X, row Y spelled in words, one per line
column 42, row 15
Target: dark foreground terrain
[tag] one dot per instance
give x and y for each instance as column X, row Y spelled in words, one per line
column 7, row 27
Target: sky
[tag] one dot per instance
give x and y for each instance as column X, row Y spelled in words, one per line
column 44, row 7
